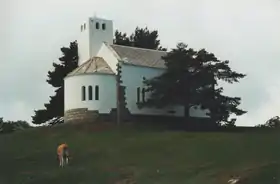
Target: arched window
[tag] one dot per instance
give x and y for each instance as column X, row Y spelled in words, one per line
column 138, row 95
column 81, row 27
column 97, row 25
column 83, row 93
column 90, row 93
column 143, row 95
column 96, row 92
column 84, row 25
column 103, row 26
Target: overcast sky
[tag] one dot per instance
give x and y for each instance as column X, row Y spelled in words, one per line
column 246, row 32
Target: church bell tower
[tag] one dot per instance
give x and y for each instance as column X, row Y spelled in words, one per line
column 93, row 33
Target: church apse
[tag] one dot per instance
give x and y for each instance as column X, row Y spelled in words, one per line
column 90, row 91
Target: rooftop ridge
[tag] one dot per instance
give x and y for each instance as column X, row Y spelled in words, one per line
column 92, row 65
column 139, row 48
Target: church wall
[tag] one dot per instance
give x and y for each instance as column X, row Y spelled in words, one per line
column 109, row 57
column 107, row 92
column 93, row 33
column 132, row 77
column 198, row 112
column 100, row 34
column 83, row 42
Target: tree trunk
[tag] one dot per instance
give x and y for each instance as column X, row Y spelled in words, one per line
column 186, row 99
column 187, row 114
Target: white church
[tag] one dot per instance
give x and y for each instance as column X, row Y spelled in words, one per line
column 92, row 88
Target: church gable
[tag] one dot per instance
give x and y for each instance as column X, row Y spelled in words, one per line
column 109, row 56
column 113, row 54
column 139, row 56
column 93, row 65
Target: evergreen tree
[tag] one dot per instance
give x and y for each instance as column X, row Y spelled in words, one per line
column 55, row 108
column 141, row 38
column 190, row 79
column 121, row 39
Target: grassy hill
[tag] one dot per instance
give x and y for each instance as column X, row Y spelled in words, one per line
column 142, row 157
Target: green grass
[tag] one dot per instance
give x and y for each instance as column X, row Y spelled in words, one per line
column 111, row 156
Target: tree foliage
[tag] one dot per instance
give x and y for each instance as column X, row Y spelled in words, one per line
column 191, row 79
column 273, row 122
column 11, row 126
column 55, row 107
column 141, row 38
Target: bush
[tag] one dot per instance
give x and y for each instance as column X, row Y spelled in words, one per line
column 11, row 126
column 273, row 122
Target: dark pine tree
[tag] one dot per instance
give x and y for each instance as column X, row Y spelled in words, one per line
column 220, row 105
column 121, row 39
column 190, row 80
column 141, row 38
column 55, row 108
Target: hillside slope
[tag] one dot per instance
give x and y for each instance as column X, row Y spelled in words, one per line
column 145, row 157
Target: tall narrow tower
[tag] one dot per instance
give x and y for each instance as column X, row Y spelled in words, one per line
column 93, row 33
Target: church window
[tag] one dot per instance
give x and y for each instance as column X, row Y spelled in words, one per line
column 143, row 95
column 96, row 92
column 83, row 93
column 103, row 26
column 138, row 94
column 81, row 27
column 97, row 25
column 90, row 93
column 84, row 26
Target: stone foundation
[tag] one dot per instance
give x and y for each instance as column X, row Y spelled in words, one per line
column 80, row 115
column 83, row 115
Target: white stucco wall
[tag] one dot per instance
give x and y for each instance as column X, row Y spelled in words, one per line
column 83, row 43
column 98, row 36
column 109, row 57
column 107, row 92
column 91, row 39
column 132, row 77
column 198, row 112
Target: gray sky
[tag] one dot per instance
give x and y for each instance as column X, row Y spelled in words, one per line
column 245, row 32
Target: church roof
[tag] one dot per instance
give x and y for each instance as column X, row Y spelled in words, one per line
column 93, row 65
column 140, row 56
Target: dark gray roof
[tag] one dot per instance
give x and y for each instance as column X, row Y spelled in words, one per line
column 93, row 65
column 140, row 56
